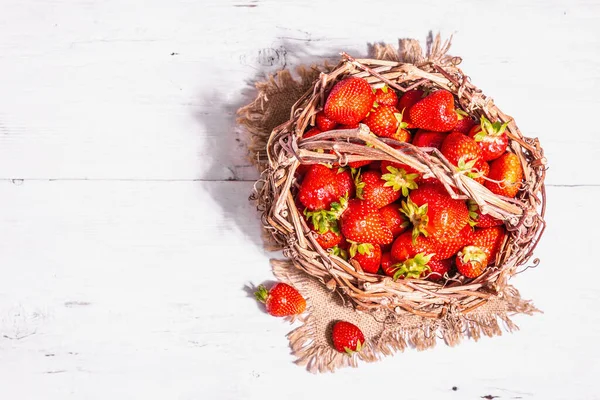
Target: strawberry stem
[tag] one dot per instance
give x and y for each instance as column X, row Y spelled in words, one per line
column 399, row 179
column 417, row 216
column 261, row 294
column 413, row 267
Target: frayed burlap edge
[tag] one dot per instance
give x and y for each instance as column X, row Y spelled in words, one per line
column 385, row 331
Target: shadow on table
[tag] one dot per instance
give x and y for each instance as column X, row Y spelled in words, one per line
column 229, row 157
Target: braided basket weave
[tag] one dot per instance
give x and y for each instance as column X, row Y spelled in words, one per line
column 286, row 150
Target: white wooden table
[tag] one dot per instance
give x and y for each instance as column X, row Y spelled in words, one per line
column 126, row 237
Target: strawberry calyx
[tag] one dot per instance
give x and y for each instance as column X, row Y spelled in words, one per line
column 358, row 184
column 361, row 248
column 349, row 351
column 261, row 294
column 417, row 216
column 401, row 124
column 473, row 208
column 413, row 267
column 490, row 129
column 460, row 114
column 338, row 251
column 399, row 179
column 327, row 220
column 472, row 253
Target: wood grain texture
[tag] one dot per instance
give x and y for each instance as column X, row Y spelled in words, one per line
column 114, row 89
column 126, row 237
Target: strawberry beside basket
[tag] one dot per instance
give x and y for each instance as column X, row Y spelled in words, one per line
column 292, row 148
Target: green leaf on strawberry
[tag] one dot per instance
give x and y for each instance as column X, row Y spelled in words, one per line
column 361, row 248
column 399, row 179
column 413, row 267
column 417, row 216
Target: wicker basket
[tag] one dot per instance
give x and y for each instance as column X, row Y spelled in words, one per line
column 286, row 150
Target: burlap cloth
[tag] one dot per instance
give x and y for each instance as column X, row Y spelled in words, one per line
column 385, row 331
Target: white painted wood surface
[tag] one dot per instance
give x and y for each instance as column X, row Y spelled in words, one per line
column 125, row 246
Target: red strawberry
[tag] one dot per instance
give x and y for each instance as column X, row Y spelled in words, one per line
column 348, row 126
column 367, row 255
column 385, row 96
column 322, row 185
column 384, row 121
column 328, row 239
column 429, row 139
column 489, row 240
column 347, row 337
column 393, row 218
column 361, row 222
column 311, row 132
column 281, row 300
column 433, row 212
column 438, row 268
column 471, row 261
column 462, row 151
column 324, row 123
column 408, row 100
column 448, row 246
column 358, row 164
column 481, row 220
column 491, row 138
column 508, row 171
column 349, row 101
column 435, row 112
column 401, row 135
column 465, row 123
column 387, row 264
column 371, row 187
column 405, row 247
column 479, row 171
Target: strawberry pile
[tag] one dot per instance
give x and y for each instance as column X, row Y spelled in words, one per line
column 385, row 217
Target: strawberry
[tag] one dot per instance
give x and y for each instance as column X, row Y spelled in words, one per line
column 322, row 185
column 393, row 218
column 489, row 240
column 367, row 255
column 385, row 121
column 347, row 337
column 448, row 246
column 481, row 220
column 311, row 132
column 348, row 126
column 401, row 135
column 349, row 101
column 471, row 261
column 405, row 247
column 433, row 212
column 387, row 264
column 465, row 123
column 425, row 138
column 328, row 239
column 438, row 268
column 508, row 172
column 462, row 151
column 339, row 251
column 491, row 138
column 435, row 112
column 371, row 187
column 282, row 300
column 385, row 96
column 479, row 171
column 361, row 222
column 324, row 123
column 408, row 100
column 358, row 164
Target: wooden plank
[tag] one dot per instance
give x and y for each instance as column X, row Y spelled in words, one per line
column 102, row 90
column 136, row 290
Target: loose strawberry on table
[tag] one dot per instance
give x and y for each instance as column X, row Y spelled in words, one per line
column 491, row 138
column 506, row 174
column 282, row 300
column 349, row 101
column 367, row 255
column 347, row 337
column 435, row 112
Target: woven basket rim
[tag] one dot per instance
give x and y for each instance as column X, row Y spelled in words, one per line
column 523, row 216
